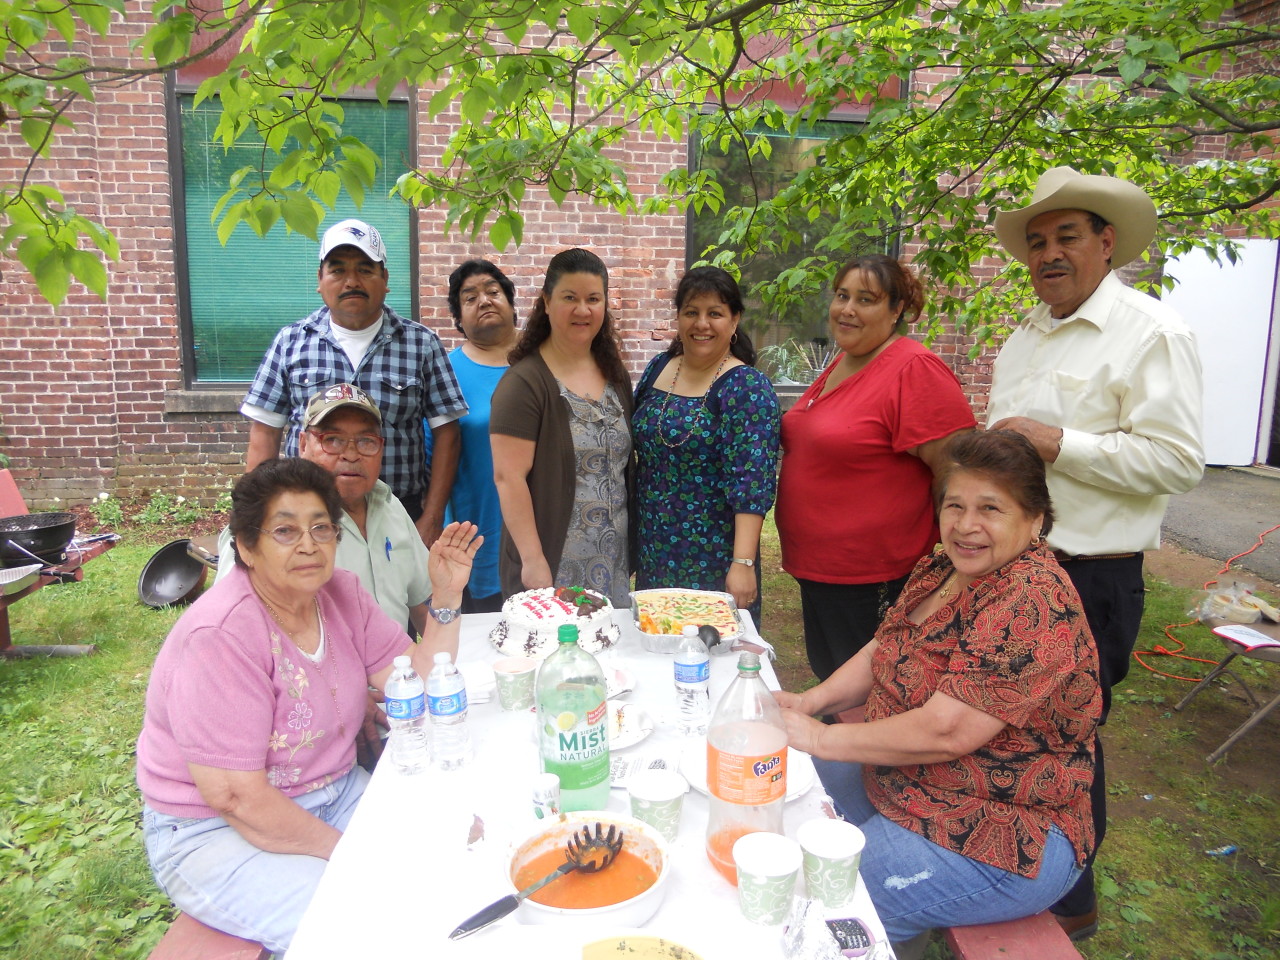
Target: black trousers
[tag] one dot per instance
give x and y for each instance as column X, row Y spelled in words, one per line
column 1113, row 596
column 842, row 618
column 489, row 604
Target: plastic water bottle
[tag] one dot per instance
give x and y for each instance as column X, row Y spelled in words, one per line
column 447, row 702
column 746, row 765
column 573, row 723
column 406, row 704
column 693, row 682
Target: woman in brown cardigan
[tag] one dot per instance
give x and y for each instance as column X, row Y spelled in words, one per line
column 560, row 430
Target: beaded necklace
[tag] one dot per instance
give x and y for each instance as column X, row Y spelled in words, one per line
column 703, row 413
column 333, row 660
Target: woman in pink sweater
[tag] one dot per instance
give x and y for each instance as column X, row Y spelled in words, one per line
column 247, row 758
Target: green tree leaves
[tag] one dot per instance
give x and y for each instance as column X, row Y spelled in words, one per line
column 961, row 108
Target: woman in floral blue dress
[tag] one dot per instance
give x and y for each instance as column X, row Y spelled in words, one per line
column 705, row 431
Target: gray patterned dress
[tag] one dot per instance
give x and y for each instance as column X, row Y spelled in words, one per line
column 595, row 548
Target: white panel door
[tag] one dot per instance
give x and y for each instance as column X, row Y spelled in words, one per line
column 1230, row 308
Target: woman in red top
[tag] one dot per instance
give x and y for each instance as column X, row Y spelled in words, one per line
column 859, row 451
column 971, row 774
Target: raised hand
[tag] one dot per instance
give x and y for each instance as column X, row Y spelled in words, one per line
column 449, row 562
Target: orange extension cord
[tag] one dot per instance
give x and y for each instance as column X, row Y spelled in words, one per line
column 1163, row 651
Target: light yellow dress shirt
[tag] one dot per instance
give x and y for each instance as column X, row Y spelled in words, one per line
column 1121, row 376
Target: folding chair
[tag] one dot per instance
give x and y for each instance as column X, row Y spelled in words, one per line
column 1260, row 710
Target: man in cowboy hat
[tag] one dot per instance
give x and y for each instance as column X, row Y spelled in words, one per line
column 356, row 338
column 1105, row 381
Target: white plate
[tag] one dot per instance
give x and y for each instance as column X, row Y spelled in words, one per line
column 618, row 681
column 800, row 771
column 628, row 725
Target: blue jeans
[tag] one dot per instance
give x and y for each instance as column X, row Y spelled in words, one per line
column 212, row 873
column 917, row 885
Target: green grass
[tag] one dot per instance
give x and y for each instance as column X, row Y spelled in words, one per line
column 76, row 883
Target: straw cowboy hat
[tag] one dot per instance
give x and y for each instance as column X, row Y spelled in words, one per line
column 1122, row 204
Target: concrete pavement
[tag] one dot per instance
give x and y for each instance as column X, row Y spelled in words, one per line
column 1224, row 515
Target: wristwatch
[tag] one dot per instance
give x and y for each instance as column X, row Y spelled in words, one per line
column 443, row 615
column 744, row 562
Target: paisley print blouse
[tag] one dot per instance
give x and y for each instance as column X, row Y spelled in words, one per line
column 1016, row 646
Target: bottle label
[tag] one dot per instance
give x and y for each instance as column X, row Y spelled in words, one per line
column 577, row 748
column 693, row 672
column 449, row 704
column 407, row 708
column 750, row 780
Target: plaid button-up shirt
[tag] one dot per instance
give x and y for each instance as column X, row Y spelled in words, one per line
column 405, row 371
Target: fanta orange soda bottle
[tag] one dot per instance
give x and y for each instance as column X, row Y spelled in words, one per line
column 746, row 765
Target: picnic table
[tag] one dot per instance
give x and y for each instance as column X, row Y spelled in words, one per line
column 409, row 868
column 34, row 578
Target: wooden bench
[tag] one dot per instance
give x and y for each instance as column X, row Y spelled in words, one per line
column 1032, row 938
column 189, row 939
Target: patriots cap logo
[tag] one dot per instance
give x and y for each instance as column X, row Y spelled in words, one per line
column 354, row 233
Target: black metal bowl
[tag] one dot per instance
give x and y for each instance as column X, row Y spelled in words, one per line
column 44, row 534
column 171, row 576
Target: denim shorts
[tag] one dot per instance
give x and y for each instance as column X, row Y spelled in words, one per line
column 212, row 873
column 917, row 885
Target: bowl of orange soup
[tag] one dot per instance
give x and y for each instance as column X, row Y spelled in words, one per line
column 628, row 892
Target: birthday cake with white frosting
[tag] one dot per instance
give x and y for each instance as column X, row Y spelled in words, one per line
column 531, row 621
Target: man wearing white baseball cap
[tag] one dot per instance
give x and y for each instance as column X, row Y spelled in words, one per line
column 1105, row 382
column 356, row 338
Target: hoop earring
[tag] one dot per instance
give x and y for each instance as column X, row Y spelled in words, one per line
column 734, row 338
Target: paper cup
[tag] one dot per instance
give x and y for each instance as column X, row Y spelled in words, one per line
column 657, row 797
column 515, row 682
column 832, row 849
column 767, row 867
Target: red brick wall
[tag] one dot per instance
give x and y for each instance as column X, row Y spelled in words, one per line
column 93, row 396
column 645, row 255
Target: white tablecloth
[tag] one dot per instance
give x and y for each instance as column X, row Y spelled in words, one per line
column 404, row 876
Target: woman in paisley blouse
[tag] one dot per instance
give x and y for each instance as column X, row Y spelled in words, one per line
column 970, row 775
column 247, row 757
column 706, row 435
column 559, row 425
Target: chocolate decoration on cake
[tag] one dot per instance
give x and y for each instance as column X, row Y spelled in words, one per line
column 531, row 620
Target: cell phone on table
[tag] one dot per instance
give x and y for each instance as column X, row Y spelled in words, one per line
column 852, row 936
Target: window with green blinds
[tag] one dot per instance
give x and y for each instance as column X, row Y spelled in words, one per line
column 241, row 294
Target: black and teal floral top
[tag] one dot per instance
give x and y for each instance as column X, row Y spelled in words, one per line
column 701, row 461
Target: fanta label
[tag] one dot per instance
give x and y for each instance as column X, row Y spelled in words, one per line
column 747, row 780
